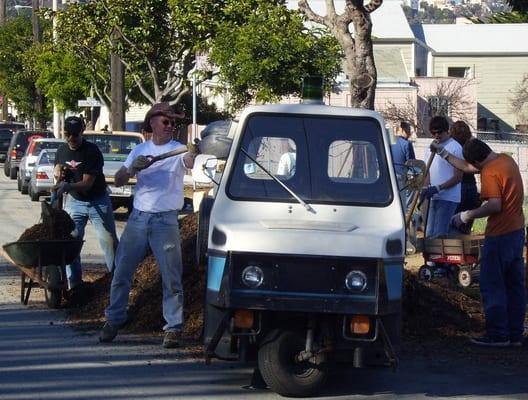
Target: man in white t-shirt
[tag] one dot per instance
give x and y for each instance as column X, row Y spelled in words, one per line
column 153, row 223
column 442, row 185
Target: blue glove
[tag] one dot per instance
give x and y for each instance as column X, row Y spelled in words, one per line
column 62, row 187
column 428, row 192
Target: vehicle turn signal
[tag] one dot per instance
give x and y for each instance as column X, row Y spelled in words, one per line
column 360, row 324
column 244, row 319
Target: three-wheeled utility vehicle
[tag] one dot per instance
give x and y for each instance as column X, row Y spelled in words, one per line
column 304, row 241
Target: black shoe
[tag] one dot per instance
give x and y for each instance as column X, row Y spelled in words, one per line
column 171, row 339
column 490, row 341
column 108, row 333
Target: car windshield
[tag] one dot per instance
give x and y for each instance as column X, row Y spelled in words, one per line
column 114, row 147
column 39, row 146
column 322, row 159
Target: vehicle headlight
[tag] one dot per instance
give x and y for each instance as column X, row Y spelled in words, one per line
column 356, row 281
column 252, row 276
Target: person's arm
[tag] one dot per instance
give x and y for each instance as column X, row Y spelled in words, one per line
column 121, row 177
column 454, row 180
column 491, row 206
column 188, row 160
column 461, row 164
column 83, row 185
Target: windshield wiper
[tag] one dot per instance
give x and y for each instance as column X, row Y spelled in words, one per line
column 307, row 206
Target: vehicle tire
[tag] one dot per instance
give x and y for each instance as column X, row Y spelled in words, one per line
column 6, row 168
column 425, row 273
column 464, row 277
column 19, row 183
column 202, row 232
column 282, row 373
column 24, row 188
column 32, row 195
column 13, row 173
column 53, row 293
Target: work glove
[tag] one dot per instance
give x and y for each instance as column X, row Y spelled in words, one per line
column 428, row 192
column 439, row 149
column 460, row 219
column 61, row 188
column 194, row 148
column 139, row 163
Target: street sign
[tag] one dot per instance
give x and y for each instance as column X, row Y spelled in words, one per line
column 89, row 102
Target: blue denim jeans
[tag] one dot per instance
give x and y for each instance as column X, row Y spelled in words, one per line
column 439, row 217
column 99, row 212
column 502, row 285
column 161, row 232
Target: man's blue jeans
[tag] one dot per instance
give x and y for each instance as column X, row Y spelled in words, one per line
column 439, row 218
column 161, row 232
column 99, row 212
column 502, row 285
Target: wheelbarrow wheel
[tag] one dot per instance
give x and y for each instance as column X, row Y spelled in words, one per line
column 425, row 273
column 464, row 277
column 53, row 291
column 282, row 372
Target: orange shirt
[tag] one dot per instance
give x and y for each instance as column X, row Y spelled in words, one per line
column 500, row 178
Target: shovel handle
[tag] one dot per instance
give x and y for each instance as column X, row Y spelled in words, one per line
column 409, row 214
column 172, row 153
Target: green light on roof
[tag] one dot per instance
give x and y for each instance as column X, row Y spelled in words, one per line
column 312, row 90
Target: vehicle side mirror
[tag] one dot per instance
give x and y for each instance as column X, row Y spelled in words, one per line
column 414, row 174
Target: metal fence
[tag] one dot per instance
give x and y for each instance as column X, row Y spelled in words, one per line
column 511, row 137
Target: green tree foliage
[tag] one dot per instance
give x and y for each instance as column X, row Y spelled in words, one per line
column 518, row 5
column 17, row 73
column 503, row 17
column 267, row 56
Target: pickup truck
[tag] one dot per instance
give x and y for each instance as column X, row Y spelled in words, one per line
column 115, row 147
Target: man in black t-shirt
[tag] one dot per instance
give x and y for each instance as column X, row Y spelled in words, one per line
column 79, row 172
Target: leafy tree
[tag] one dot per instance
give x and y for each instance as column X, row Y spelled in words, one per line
column 17, row 72
column 503, row 17
column 357, row 45
column 518, row 5
column 266, row 57
column 519, row 101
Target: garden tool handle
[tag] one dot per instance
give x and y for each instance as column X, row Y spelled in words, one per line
column 409, row 214
column 168, row 154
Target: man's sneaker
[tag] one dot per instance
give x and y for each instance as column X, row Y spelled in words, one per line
column 108, row 333
column 171, row 339
column 490, row 341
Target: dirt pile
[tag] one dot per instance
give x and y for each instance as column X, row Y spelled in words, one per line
column 146, row 293
column 56, row 225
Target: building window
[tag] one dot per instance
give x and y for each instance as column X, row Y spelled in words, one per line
column 458, row 72
column 438, row 105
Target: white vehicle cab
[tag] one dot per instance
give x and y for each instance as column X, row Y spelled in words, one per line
column 304, row 240
column 41, row 181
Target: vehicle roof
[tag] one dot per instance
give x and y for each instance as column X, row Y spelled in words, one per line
column 114, row 133
column 313, row 109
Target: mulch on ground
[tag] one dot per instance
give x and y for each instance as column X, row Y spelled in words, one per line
column 438, row 316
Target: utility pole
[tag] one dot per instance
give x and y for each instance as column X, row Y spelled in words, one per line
column 117, row 87
column 39, row 107
column 56, row 119
column 3, row 17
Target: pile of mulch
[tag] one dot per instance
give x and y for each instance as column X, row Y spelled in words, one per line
column 56, row 225
column 146, row 293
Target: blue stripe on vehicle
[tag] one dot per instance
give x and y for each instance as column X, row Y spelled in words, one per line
column 215, row 272
column 394, row 279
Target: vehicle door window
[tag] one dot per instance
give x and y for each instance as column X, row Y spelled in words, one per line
column 276, row 154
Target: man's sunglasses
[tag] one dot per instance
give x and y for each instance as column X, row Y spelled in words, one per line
column 170, row 122
column 436, row 132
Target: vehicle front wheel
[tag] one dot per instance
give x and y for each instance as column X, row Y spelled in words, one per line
column 13, row 173
column 19, row 183
column 282, row 372
column 6, row 168
column 32, row 195
column 24, row 187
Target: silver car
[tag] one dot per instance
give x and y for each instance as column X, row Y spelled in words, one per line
column 30, row 156
column 41, row 180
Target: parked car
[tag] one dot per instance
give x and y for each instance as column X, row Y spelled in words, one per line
column 41, row 180
column 17, row 147
column 12, row 126
column 5, row 139
column 115, row 147
column 30, row 156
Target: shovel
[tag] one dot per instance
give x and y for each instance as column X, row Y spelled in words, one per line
column 149, row 160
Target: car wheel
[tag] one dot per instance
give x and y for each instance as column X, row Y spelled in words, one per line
column 19, row 183
column 32, row 195
column 24, row 188
column 13, row 173
column 6, row 168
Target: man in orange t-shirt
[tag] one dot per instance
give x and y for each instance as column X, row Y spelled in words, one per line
column 502, row 286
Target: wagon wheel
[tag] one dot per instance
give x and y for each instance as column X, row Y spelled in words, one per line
column 425, row 273
column 53, row 290
column 464, row 277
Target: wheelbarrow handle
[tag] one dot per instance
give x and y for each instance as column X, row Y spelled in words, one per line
column 408, row 217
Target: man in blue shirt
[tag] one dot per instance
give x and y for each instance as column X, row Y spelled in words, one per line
column 402, row 151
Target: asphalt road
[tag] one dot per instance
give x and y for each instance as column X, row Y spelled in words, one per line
column 41, row 357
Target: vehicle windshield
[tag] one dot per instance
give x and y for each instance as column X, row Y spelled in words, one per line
column 114, row 147
column 39, row 146
column 322, row 159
